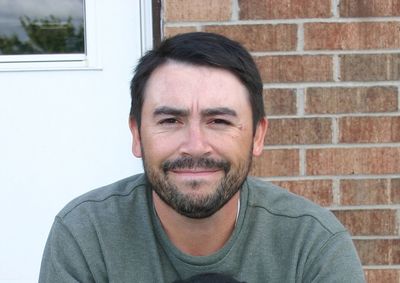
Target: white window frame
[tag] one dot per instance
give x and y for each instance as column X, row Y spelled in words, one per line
column 91, row 60
column 146, row 21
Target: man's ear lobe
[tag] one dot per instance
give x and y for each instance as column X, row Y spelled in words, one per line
column 136, row 142
column 259, row 136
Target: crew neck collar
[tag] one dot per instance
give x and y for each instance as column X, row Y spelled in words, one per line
column 200, row 261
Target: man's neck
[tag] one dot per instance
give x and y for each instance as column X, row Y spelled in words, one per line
column 198, row 237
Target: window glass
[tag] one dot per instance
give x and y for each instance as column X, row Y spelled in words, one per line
column 42, row 27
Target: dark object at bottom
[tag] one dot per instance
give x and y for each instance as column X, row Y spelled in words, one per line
column 209, row 278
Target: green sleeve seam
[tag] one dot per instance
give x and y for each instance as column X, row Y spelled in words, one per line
column 98, row 201
column 299, row 216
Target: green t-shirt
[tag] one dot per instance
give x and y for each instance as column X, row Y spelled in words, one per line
column 113, row 234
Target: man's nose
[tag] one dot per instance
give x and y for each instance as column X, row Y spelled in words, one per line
column 195, row 141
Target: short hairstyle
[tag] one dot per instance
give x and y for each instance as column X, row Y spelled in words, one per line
column 202, row 49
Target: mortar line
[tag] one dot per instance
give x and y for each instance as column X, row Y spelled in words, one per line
column 398, row 221
column 335, row 8
column 235, row 11
column 300, row 37
column 336, row 193
column 302, row 162
column 335, row 130
column 375, row 237
column 398, row 98
column 389, row 190
column 339, row 115
column 331, row 52
column 352, row 84
column 336, row 67
column 388, row 267
column 286, row 21
column 300, row 102
column 324, row 177
column 333, row 146
column 364, row 207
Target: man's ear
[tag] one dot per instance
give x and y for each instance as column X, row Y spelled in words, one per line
column 259, row 136
column 136, row 142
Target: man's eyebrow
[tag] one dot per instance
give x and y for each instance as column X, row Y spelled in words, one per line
column 167, row 110
column 219, row 111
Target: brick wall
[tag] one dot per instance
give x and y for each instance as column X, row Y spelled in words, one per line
column 331, row 70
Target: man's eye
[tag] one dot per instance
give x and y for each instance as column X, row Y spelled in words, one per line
column 220, row 122
column 168, row 121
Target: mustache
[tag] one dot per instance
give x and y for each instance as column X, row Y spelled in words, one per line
column 188, row 162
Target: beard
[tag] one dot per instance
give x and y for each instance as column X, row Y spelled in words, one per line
column 196, row 206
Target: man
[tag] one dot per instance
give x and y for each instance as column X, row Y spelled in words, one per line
column 197, row 118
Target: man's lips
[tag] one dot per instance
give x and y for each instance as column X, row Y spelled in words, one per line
column 198, row 172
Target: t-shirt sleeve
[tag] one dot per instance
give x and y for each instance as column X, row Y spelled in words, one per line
column 336, row 261
column 63, row 260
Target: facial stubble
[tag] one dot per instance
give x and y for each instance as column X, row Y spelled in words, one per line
column 191, row 204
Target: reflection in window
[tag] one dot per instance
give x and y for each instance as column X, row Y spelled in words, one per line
column 41, row 27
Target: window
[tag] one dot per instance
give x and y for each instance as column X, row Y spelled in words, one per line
column 48, row 34
column 42, row 27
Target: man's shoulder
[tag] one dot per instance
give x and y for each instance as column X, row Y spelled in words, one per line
column 281, row 203
column 120, row 189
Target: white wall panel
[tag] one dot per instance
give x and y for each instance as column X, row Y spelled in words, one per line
column 62, row 133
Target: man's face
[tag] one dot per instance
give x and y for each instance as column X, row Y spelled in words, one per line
column 196, row 137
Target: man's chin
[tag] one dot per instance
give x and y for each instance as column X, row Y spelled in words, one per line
column 194, row 202
column 198, row 212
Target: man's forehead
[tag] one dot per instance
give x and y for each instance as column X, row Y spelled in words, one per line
column 183, row 79
column 169, row 70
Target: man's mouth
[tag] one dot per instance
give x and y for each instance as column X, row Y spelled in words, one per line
column 195, row 172
column 189, row 165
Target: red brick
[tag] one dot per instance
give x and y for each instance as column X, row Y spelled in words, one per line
column 369, row 8
column 369, row 129
column 382, row 275
column 276, row 162
column 197, row 10
column 348, row 161
column 280, row 101
column 378, row 252
column 318, row 191
column 351, row 36
column 299, row 131
column 371, row 67
column 378, row 222
column 364, row 192
column 295, row 68
column 260, row 37
column 171, row 31
column 350, row 100
column 395, row 191
column 284, row 9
